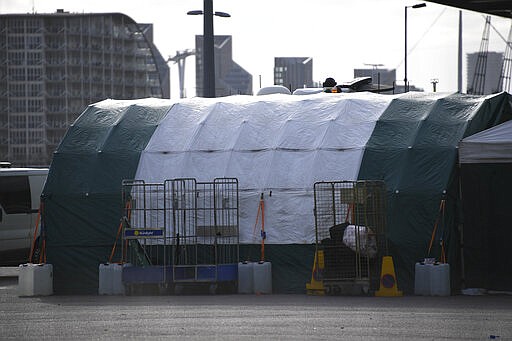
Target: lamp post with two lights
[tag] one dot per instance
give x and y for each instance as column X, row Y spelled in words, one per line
column 406, row 85
column 208, row 46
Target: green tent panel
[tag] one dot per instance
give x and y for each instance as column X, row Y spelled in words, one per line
column 82, row 196
column 416, row 156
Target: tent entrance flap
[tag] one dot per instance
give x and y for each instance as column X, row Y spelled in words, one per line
column 486, row 186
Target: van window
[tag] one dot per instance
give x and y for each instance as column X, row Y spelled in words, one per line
column 15, row 194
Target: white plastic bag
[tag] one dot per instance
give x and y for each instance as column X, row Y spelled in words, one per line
column 362, row 235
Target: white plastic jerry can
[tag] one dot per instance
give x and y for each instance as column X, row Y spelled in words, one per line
column 245, row 278
column 262, row 278
column 110, row 279
column 35, row 279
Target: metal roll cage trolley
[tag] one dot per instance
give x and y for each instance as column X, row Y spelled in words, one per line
column 350, row 235
column 180, row 235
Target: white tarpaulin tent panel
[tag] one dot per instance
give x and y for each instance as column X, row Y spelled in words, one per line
column 493, row 145
column 269, row 145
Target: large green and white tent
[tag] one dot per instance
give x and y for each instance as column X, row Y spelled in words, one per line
column 276, row 143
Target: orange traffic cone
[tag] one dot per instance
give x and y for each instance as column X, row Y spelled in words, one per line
column 388, row 282
column 316, row 286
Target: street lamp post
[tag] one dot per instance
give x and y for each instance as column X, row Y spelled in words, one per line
column 406, row 86
column 208, row 46
column 434, row 82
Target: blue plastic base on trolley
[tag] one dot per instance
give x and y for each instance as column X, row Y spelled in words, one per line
column 206, row 273
column 227, row 272
column 157, row 280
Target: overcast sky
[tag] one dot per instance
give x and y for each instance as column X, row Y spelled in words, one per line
column 340, row 35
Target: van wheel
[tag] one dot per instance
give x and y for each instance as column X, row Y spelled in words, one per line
column 37, row 252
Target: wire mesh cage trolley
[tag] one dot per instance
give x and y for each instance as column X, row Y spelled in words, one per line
column 205, row 240
column 350, row 232
column 183, row 233
column 145, row 236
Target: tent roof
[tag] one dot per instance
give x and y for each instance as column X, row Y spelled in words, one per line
column 493, row 145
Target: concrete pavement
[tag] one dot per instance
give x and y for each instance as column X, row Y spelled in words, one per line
column 252, row 317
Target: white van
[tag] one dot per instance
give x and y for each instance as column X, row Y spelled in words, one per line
column 20, row 191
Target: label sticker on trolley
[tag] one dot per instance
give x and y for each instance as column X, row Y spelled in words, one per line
column 143, row 233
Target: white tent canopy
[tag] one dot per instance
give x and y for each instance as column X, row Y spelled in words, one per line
column 275, row 143
column 493, row 145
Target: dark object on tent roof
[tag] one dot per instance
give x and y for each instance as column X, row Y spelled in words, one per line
column 361, row 84
column 358, row 84
column 329, row 83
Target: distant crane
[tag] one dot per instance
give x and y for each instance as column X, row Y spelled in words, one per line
column 478, row 83
column 179, row 59
column 506, row 67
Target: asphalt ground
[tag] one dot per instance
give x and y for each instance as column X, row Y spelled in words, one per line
column 252, row 317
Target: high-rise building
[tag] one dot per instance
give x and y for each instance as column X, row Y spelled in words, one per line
column 230, row 78
column 53, row 65
column 293, row 72
column 386, row 77
column 492, row 72
column 382, row 76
